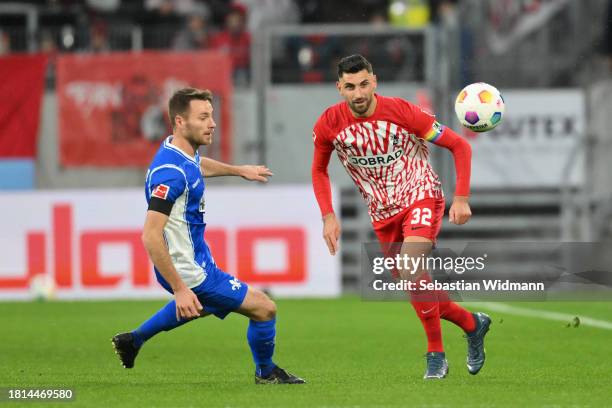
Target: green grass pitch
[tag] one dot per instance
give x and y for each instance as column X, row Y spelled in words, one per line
column 352, row 353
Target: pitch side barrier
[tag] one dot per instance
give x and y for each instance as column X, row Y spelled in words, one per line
column 63, row 244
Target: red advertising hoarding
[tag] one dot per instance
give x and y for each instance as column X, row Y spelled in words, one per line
column 113, row 107
column 21, row 92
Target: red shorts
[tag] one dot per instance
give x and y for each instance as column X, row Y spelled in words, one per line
column 421, row 219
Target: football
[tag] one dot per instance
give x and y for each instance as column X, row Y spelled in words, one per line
column 42, row 287
column 480, row 107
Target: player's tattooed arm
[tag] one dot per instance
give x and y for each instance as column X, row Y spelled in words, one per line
column 187, row 304
column 213, row 168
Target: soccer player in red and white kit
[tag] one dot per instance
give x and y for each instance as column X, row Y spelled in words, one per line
column 381, row 142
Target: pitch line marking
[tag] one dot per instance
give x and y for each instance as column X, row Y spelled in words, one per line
column 541, row 314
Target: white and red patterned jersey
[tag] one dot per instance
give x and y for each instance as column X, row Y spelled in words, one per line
column 385, row 154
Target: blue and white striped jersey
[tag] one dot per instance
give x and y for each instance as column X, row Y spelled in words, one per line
column 175, row 176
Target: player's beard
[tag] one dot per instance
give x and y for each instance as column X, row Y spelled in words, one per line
column 196, row 138
column 363, row 108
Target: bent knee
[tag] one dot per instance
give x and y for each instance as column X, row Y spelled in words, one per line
column 258, row 306
column 268, row 311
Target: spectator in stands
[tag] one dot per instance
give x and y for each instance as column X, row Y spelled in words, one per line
column 409, row 13
column 47, row 43
column 98, row 38
column 5, row 43
column 194, row 36
column 235, row 40
column 48, row 46
column 311, row 58
column 378, row 19
column 442, row 11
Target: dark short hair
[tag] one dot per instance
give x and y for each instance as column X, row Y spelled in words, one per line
column 353, row 64
column 180, row 100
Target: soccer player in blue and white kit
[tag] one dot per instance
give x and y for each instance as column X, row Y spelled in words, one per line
column 174, row 238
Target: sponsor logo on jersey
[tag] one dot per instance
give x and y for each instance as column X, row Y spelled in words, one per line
column 161, row 191
column 376, row 161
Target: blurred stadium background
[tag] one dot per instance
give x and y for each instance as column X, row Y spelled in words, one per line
column 83, row 91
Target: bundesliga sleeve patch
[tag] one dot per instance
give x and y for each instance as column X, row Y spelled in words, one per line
column 434, row 133
column 161, row 191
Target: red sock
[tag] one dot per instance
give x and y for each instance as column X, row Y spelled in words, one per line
column 427, row 309
column 454, row 313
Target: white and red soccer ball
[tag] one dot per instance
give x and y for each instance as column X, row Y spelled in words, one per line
column 479, row 107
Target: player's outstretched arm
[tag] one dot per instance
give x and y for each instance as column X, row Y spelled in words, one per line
column 187, row 304
column 213, row 168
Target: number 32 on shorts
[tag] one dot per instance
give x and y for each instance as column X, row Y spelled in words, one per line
column 421, row 216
